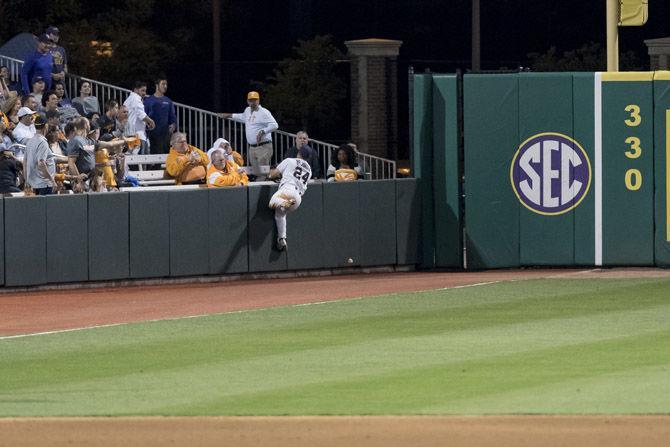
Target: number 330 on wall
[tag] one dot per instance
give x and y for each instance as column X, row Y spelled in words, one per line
column 633, row 177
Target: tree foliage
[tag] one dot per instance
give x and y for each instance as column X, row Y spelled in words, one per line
column 305, row 91
column 589, row 57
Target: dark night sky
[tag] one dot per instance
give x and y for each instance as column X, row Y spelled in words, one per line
column 430, row 30
column 439, row 29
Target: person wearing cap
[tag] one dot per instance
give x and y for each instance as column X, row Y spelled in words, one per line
column 37, row 89
column 9, row 170
column 38, row 63
column 39, row 162
column 58, row 54
column 259, row 125
column 25, row 130
column 228, row 152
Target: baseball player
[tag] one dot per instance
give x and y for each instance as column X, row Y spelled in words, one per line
column 294, row 173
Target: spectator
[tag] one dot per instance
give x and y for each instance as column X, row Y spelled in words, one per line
column 50, row 102
column 111, row 113
column 6, row 86
column 25, row 130
column 302, row 139
column 185, row 163
column 5, row 138
column 37, row 88
column 81, row 148
column 122, row 126
column 138, row 120
column 85, row 103
column 10, row 108
column 58, row 54
column 9, row 171
column 40, row 162
column 228, row 151
column 161, row 110
column 343, row 166
column 38, row 63
column 222, row 172
column 63, row 100
column 259, row 125
column 29, row 101
column 55, row 136
column 68, row 134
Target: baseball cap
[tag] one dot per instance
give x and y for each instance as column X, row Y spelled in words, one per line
column 37, row 79
column 44, row 38
column 52, row 30
column 253, row 95
column 40, row 121
column 23, row 111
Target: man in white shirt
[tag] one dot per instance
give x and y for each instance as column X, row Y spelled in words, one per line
column 259, row 125
column 138, row 120
column 25, row 130
column 294, row 173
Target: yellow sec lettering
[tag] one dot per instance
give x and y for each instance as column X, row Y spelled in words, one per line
column 635, row 149
column 635, row 118
column 633, row 179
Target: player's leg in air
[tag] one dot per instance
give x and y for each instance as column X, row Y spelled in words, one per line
column 283, row 202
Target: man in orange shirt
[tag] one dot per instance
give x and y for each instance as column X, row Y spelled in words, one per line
column 223, row 172
column 185, row 163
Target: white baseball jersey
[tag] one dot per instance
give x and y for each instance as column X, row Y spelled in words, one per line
column 295, row 172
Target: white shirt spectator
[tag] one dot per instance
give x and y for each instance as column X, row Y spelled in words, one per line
column 256, row 121
column 23, row 133
column 136, row 115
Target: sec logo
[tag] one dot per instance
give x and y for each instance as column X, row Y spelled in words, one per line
column 550, row 173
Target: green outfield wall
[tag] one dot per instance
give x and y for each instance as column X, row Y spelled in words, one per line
column 559, row 169
column 199, row 232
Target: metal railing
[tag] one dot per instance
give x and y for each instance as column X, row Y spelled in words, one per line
column 204, row 127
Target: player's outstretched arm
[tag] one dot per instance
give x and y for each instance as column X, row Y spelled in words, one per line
column 274, row 173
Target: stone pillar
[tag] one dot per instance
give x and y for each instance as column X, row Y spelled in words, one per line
column 659, row 53
column 374, row 95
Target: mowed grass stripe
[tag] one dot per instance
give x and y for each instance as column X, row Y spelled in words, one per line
column 527, row 382
column 289, row 330
column 169, row 367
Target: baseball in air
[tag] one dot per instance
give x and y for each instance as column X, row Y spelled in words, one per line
column 350, row 261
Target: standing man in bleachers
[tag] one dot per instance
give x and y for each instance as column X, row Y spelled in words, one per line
column 138, row 120
column 38, row 63
column 58, row 54
column 160, row 108
column 259, row 125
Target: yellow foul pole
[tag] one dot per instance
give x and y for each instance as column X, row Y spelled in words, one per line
column 612, row 15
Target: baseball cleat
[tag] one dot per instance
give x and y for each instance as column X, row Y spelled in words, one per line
column 281, row 244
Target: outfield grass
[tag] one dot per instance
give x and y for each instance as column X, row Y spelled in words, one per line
column 541, row 346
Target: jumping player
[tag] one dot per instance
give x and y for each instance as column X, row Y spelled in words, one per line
column 294, row 173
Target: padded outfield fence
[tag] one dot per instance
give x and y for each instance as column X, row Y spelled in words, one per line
column 215, row 231
column 553, row 169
